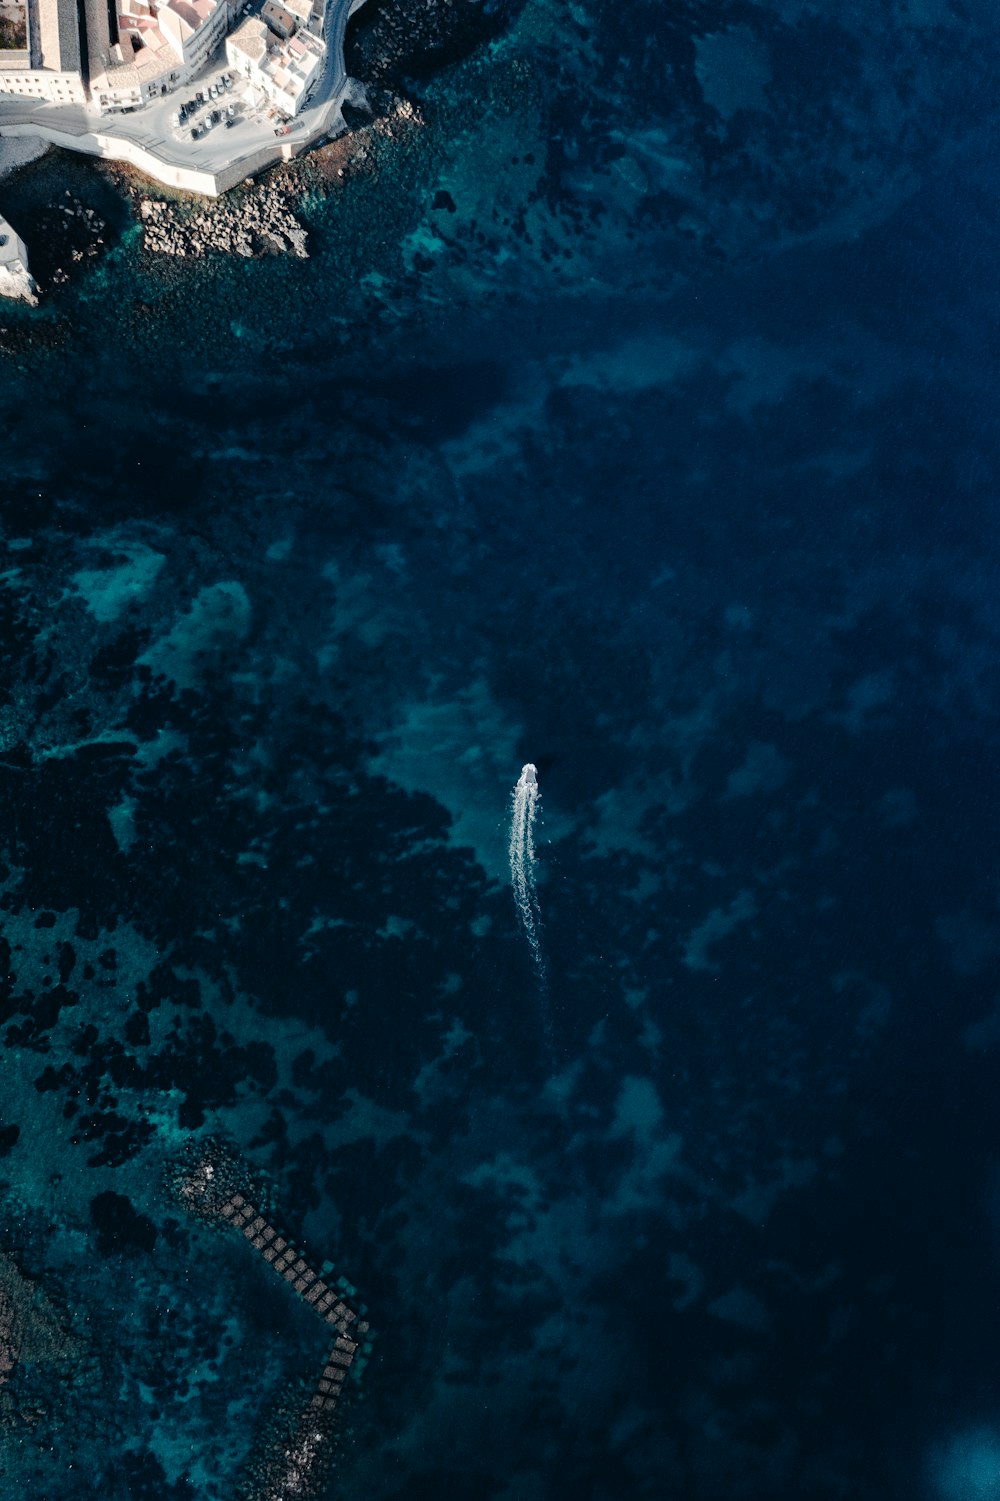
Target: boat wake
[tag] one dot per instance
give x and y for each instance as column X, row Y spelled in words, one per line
column 524, row 807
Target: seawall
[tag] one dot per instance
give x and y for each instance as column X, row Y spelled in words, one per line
column 172, row 175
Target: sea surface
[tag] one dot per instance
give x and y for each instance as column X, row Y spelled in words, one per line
column 635, row 417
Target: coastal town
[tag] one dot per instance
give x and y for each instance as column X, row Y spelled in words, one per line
column 196, row 94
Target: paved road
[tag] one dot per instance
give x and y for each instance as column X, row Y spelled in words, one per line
column 220, row 149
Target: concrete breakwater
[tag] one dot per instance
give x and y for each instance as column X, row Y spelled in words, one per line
column 298, row 1466
column 213, row 1186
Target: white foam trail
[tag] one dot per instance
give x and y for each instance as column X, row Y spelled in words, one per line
column 524, row 806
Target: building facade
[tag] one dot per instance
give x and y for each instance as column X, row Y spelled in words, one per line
column 113, row 54
column 19, row 78
column 159, row 47
column 282, row 59
column 51, row 65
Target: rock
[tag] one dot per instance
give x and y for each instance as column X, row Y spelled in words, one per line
column 297, row 241
column 259, row 223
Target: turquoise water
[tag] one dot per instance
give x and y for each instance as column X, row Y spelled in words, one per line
column 633, row 417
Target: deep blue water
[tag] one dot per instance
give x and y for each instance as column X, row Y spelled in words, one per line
column 636, row 417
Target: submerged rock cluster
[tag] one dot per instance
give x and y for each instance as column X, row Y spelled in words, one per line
column 204, row 1178
column 78, row 231
column 32, row 1329
column 396, row 42
column 294, row 1458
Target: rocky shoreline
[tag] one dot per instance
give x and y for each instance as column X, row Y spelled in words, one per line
column 261, row 222
column 389, row 46
column 396, row 43
column 260, row 218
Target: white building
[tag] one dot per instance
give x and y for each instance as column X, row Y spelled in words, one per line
column 50, row 67
column 246, row 49
column 309, row 14
column 128, row 51
column 195, row 28
column 18, row 77
column 291, row 69
column 161, row 44
column 283, row 68
column 16, row 279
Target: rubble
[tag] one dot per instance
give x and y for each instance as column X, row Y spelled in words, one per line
column 258, row 222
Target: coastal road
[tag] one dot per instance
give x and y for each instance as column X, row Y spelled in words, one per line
column 221, row 149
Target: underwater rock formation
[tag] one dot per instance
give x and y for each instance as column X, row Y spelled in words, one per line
column 32, row 1331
